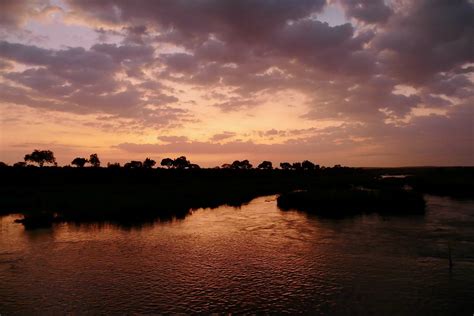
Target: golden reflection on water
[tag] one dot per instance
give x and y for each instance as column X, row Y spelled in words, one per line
column 250, row 259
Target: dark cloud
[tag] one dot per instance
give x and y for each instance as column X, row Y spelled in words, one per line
column 26, row 54
column 419, row 40
column 203, row 17
column 312, row 38
column 135, row 34
column 449, row 84
column 85, row 81
column 179, row 62
column 426, row 37
column 137, row 53
column 12, row 12
column 397, row 57
column 369, row 11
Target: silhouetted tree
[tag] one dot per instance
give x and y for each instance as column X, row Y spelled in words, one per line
column 181, row 163
column 285, row 165
column 297, row 166
column 167, row 162
column 235, row 164
column 244, row 164
column 3, row 165
column 307, row 165
column 94, row 160
column 19, row 164
column 194, row 166
column 79, row 162
column 41, row 157
column 134, row 164
column 226, row 166
column 114, row 165
column 267, row 165
column 149, row 163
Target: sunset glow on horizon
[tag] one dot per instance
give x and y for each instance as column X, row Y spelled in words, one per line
column 357, row 83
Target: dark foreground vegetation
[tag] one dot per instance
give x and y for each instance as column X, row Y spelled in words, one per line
column 140, row 194
column 129, row 196
column 344, row 202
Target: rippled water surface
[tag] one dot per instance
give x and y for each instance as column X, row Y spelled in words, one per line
column 250, row 259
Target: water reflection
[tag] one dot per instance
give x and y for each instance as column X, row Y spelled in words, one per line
column 250, row 259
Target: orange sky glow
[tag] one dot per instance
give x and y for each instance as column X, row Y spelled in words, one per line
column 358, row 83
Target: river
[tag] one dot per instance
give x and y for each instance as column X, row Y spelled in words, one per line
column 255, row 258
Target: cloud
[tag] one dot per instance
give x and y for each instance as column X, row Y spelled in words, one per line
column 236, row 103
column 179, row 62
column 15, row 13
column 408, row 144
column 368, row 11
column 195, row 22
column 120, row 53
column 12, row 12
column 221, row 52
column 245, row 147
column 393, row 61
column 85, row 82
column 222, row 136
column 426, row 37
column 274, row 132
column 172, row 139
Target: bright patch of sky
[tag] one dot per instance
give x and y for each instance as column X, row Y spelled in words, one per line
column 333, row 15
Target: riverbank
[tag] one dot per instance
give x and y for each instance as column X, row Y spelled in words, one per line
column 348, row 202
column 129, row 196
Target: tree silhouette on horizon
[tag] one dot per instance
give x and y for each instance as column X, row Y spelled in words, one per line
column 244, row 164
column 41, row 157
column 94, row 160
column 308, row 165
column 149, row 163
column 167, row 162
column 181, row 163
column 134, row 164
column 266, row 165
column 79, row 162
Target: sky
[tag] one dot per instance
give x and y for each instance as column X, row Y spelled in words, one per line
column 351, row 82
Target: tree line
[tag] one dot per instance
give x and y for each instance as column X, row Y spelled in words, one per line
column 42, row 157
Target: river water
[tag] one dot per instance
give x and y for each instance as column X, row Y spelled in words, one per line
column 256, row 258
